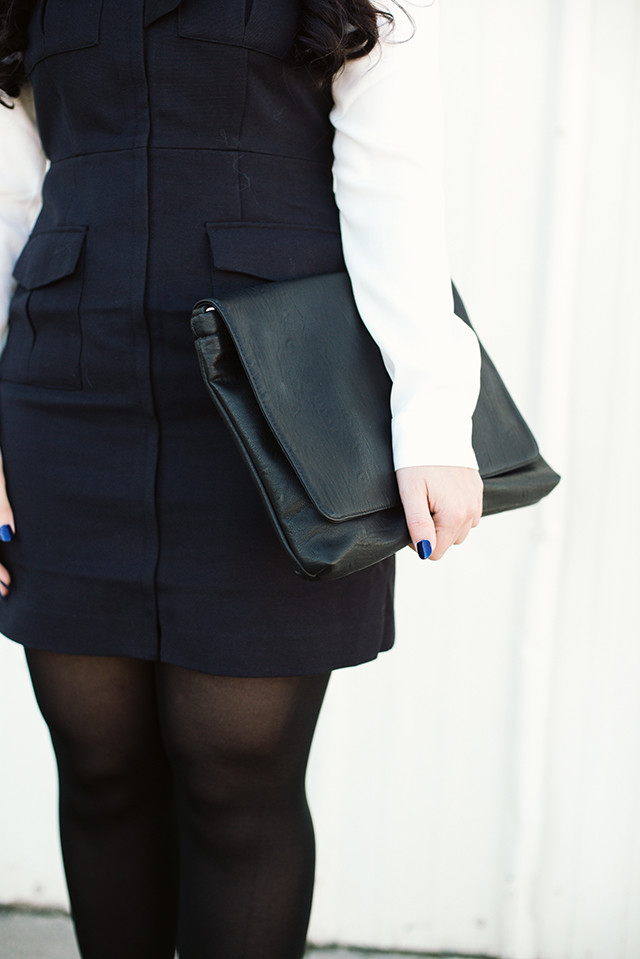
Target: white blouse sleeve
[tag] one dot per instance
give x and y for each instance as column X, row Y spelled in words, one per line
column 22, row 168
column 388, row 183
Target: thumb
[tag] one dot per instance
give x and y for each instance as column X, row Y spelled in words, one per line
column 7, row 522
column 415, row 502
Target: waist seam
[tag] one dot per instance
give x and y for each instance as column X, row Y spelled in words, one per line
column 150, row 149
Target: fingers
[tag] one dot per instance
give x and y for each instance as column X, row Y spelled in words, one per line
column 7, row 530
column 413, row 493
column 451, row 531
column 442, row 504
column 454, row 520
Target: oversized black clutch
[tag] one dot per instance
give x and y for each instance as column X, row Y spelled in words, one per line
column 303, row 389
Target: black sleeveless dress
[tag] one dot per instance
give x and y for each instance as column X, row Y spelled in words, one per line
column 189, row 157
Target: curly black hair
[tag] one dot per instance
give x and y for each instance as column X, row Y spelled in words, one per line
column 14, row 19
column 332, row 32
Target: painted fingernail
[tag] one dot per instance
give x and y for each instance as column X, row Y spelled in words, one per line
column 424, row 549
column 6, row 533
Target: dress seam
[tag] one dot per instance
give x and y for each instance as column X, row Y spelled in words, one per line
column 142, row 148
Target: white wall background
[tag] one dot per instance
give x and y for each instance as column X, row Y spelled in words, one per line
column 477, row 789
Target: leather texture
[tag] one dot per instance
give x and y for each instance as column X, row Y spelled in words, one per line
column 303, row 389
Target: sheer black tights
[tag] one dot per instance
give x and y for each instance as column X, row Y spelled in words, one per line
column 182, row 806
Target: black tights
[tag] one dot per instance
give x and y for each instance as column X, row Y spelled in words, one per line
column 183, row 814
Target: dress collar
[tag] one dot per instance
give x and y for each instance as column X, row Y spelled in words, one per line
column 154, row 9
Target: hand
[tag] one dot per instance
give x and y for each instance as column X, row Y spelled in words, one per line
column 441, row 504
column 6, row 520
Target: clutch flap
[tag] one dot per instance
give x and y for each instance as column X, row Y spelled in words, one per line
column 299, row 343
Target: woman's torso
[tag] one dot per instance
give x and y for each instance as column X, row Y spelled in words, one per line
column 183, row 155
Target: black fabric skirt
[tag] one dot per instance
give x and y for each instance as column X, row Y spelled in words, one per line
column 139, row 533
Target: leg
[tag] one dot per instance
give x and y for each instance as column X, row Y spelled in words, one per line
column 239, row 750
column 117, row 817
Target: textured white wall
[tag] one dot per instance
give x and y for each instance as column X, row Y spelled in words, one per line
column 477, row 788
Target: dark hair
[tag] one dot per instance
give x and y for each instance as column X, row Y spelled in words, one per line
column 331, row 33
column 14, row 19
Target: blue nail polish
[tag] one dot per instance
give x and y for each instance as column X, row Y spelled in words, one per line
column 424, row 549
column 6, row 533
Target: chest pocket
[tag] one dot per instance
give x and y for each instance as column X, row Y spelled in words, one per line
column 58, row 26
column 263, row 25
column 45, row 339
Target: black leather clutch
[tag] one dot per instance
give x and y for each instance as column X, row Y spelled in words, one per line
column 302, row 387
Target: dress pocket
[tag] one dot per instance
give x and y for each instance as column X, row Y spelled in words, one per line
column 273, row 251
column 256, row 24
column 58, row 26
column 45, row 337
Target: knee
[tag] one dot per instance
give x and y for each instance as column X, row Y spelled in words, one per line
column 107, row 780
column 253, row 773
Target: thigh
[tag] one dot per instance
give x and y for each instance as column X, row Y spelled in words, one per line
column 101, row 710
column 227, row 735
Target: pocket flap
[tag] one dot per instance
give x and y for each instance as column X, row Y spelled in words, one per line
column 277, row 251
column 49, row 256
column 57, row 29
